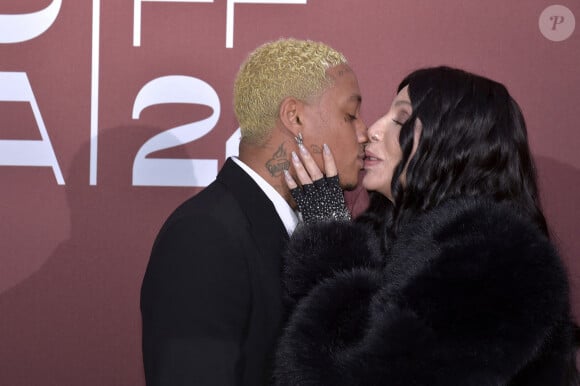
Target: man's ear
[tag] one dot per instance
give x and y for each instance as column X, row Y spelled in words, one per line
column 289, row 114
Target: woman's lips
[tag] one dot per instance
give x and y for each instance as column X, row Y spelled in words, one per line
column 371, row 159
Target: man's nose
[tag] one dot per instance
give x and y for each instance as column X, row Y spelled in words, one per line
column 362, row 132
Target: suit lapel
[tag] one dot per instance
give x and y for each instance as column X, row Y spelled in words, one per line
column 265, row 225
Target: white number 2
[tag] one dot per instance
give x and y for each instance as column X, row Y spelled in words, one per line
column 175, row 172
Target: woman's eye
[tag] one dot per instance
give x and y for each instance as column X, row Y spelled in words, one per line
column 350, row 117
column 398, row 122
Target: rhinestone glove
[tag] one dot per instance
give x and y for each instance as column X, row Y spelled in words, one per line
column 321, row 200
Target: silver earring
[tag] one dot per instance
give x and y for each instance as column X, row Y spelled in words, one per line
column 299, row 139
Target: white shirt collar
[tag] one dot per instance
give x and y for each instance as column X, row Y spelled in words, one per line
column 287, row 215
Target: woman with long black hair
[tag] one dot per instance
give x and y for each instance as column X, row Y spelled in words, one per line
column 449, row 277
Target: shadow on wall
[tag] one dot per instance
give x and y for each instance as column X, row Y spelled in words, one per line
column 76, row 321
column 560, row 194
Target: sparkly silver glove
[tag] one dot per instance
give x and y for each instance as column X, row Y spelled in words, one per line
column 321, row 200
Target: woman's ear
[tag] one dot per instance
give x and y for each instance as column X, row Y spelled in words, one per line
column 289, row 114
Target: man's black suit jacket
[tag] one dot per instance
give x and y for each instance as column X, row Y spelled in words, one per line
column 211, row 298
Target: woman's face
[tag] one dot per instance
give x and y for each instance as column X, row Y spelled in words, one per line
column 383, row 151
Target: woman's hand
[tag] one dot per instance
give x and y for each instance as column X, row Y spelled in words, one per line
column 307, row 171
column 320, row 197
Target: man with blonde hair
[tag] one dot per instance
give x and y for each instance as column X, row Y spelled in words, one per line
column 211, row 299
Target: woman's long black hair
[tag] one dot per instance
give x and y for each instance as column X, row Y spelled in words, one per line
column 473, row 143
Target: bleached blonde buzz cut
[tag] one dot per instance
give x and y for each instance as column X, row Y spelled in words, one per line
column 274, row 71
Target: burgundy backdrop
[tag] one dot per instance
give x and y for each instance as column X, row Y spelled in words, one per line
column 95, row 94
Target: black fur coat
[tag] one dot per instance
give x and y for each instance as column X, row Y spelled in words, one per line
column 469, row 294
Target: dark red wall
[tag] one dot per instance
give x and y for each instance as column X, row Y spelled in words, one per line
column 73, row 254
